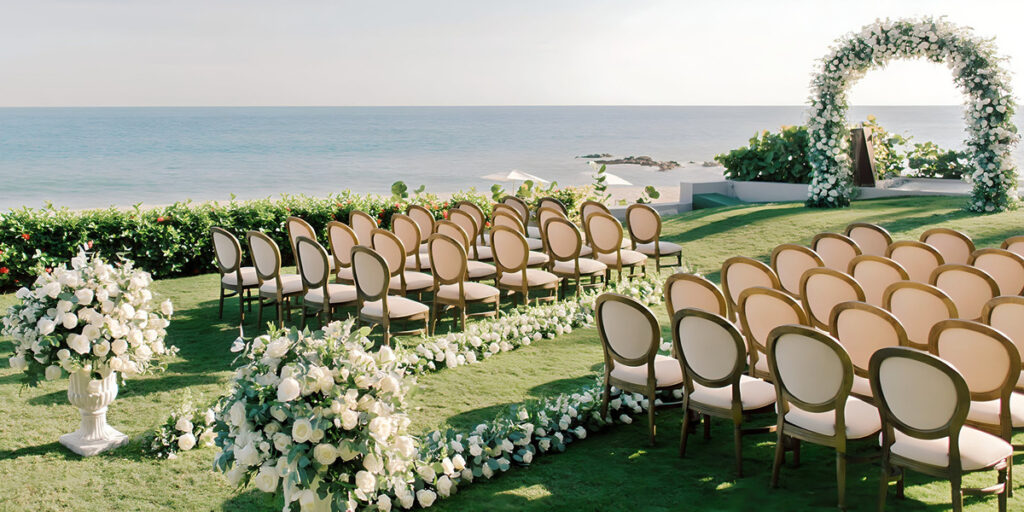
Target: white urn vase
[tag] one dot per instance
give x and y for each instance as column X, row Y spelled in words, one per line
column 92, row 396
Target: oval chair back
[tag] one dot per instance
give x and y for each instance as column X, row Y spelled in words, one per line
column 545, row 213
column 508, row 218
column 564, row 241
column 920, row 395
column 954, row 246
column 919, row 307
column 454, row 231
column 604, row 233
column 227, row 250
column 711, row 351
column 314, row 267
column 551, row 202
column 969, row 287
column 835, row 250
column 812, row 371
column 342, row 239
column 467, row 222
column 507, row 209
column 424, row 219
column 451, row 259
column 1014, row 244
column 266, row 257
column 863, row 329
column 371, row 274
column 760, row 311
column 1005, row 267
column 821, row 289
column 917, row 258
column 408, row 231
column 520, row 206
column 297, row 227
column 872, row 238
column 643, row 223
column 875, row 274
column 1006, row 314
column 692, row 291
column 591, row 206
column 739, row 273
column 511, row 253
column 790, row 261
column 362, row 223
column 476, row 212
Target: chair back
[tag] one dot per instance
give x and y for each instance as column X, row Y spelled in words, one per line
column 1006, row 314
column 872, row 238
column 790, row 261
column 918, row 306
column 987, row 359
column 450, row 257
column 297, row 227
column 564, row 241
column 628, row 330
column 266, row 257
column 408, row 231
column 453, row 230
column 389, row 246
column 969, row 287
column 370, row 273
column 362, row 223
column 227, row 250
column 693, row 291
column 1005, row 267
column 312, row 261
column 543, row 214
column 835, row 250
column 591, row 206
column 424, row 219
column 509, row 218
column 954, row 246
column 520, row 206
column 811, row 370
column 763, row 309
column 551, row 202
column 510, row 250
column 917, row 258
column 821, row 289
column 508, row 209
column 875, row 274
column 644, row 223
column 467, row 222
column 604, row 233
column 710, row 348
column 342, row 239
column 739, row 273
column 920, row 395
column 862, row 329
column 1014, row 244
column 474, row 210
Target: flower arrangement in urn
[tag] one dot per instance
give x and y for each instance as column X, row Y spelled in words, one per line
column 89, row 321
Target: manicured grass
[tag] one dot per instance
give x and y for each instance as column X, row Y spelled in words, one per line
column 611, row 470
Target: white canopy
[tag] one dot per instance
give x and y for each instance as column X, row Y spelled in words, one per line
column 515, row 175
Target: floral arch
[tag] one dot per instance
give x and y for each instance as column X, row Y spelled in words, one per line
column 988, row 109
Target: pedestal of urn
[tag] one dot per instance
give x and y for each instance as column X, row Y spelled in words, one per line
column 92, row 396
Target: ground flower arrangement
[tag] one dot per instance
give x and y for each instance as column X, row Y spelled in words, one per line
column 185, row 429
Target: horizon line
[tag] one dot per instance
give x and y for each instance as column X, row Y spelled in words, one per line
column 473, row 105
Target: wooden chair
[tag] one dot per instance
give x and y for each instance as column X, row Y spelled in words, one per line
column 535, row 258
column 713, row 356
column 408, row 231
column 546, row 213
column 425, row 221
column 297, row 227
column 321, row 298
column 761, row 310
column 362, row 224
column 954, row 246
column 917, row 258
column 835, row 250
column 630, row 337
column 821, row 289
column 452, row 284
column 919, row 307
column 924, row 403
column 1014, row 244
column 376, row 307
column 1005, row 267
column 790, row 261
column 403, row 282
column 478, row 216
column 342, row 239
column 564, row 246
column 467, row 222
column 739, row 273
column 524, row 214
column 591, row 206
column 693, row 291
column 644, row 225
column 234, row 278
column 511, row 259
column 875, row 274
column 477, row 270
column 863, row 329
column 605, row 235
column 1006, row 314
column 969, row 287
column 872, row 238
column 275, row 288
column 500, row 212
column 813, row 379
column 552, row 202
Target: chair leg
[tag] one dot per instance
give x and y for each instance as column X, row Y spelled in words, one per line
column 841, row 478
column 302, row 319
column 957, row 493
column 241, row 307
column 280, row 313
column 1004, row 478
column 737, row 434
column 883, row 484
column 685, row 432
column 650, row 415
column 605, row 398
column 796, row 452
column 707, row 427
column 220, row 307
column 780, row 456
column 259, row 313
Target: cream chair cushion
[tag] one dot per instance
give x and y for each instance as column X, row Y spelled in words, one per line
column 754, row 394
column 988, row 412
column 666, row 248
column 861, row 386
column 479, row 269
column 586, row 250
column 977, row 449
column 414, row 281
column 536, row 258
column 667, row 372
column 533, row 232
column 483, row 253
column 398, row 307
column 290, row 284
column 410, row 262
column 862, row 419
column 587, row 266
column 534, row 277
column 345, row 274
column 248, row 277
column 534, row 244
column 338, row 293
column 628, row 258
column 474, row 291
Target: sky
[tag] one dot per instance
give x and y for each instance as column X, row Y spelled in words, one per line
column 474, row 52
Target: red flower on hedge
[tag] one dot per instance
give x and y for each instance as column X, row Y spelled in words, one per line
column 90, row 244
column 159, row 219
column 49, row 270
column 445, row 213
column 5, row 270
column 25, row 236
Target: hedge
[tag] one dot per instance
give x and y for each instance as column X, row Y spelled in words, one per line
column 174, row 241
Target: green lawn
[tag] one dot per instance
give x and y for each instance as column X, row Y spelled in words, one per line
column 612, row 470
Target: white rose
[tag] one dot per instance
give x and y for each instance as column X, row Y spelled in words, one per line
column 282, row 441
column 302, row 429
column 288, row 390
column 447, row 466
column 167, row 308
column 45, row 326
column 53, row 372
column 384, row 503
column 278, row 413
column 325, row 454
column 207, row 438
column 458, row 462
column 444, row 486
column 389, row 384
column 187, row 441
column 266, row 479
column 51, row 289
column 405, row 446
column 366, row 482
column 79, row 343
column 183, row 425
column 234, row 475
column 237, row 414
column 119, row 346
column 277, row 348
column 373, row 464
column 380, row 428
column 247, row 456
column 63, row 354
column 69, row 320
column 425, row 497
column 101, row 349
column 85, row 296
column 349, row 419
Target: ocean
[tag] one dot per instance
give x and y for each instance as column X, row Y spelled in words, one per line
column 98, row 157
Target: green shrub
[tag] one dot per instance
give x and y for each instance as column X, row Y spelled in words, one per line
column 928, row 160
column 889, row 160
column 778, row 156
